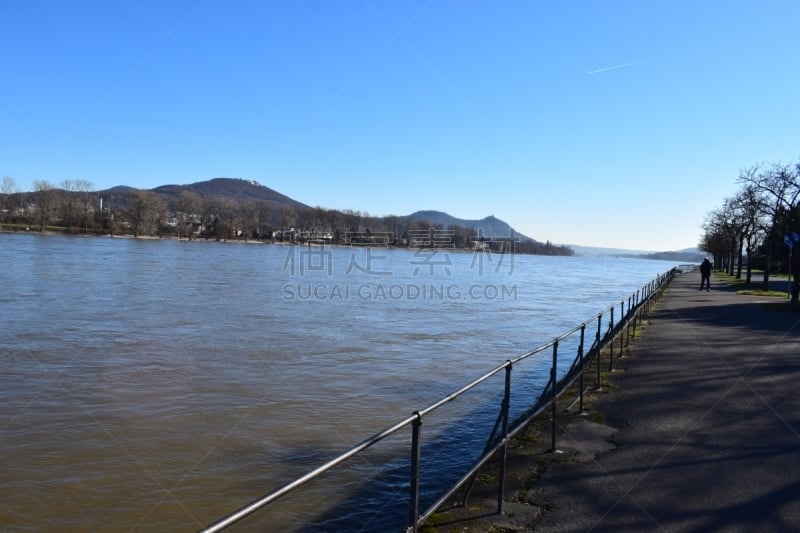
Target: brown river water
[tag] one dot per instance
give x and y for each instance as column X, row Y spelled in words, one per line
column 159, row 385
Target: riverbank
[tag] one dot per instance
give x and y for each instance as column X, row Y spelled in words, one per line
column 697, row 430
column 19, row 229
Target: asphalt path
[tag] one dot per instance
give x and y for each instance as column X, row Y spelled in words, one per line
column 707, row 418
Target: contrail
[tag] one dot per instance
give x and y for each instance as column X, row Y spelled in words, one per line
column 615, row 67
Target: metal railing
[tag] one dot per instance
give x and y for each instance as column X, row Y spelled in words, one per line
column 610, row 339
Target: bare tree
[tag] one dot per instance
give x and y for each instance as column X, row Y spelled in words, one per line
column 225, row 217
column 68, row 203
column 304, row 220
column 7, row 187
column 84, row 189
column 249, row 220
column 335, row 220
column 45, row 201
column 780, row 186
column 147, row 212
column 287, row 219
column 732, row 226
column 264, row 226
column 207, row 211
column 320, row 224
column 189, row 206
column 461, row 236
column 748, row 209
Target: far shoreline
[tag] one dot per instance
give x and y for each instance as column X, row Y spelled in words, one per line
column 4, row 229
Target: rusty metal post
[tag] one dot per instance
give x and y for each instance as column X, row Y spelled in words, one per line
column 629, row 322
column 501, row 482
column 597, row 343
column 621, row 327
column 554, row 397
column 580, row 366
column 415, row 459
column 611, row 343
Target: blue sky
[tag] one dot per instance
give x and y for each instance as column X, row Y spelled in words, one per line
column 601, row 123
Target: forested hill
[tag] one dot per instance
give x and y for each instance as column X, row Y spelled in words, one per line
column 489, row 226
column 239, row 190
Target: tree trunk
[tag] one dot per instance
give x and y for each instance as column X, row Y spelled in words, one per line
column 739, row 267
column 731, row 259
column 749, row 268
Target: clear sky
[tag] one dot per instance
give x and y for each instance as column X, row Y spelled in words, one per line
column 600, row 123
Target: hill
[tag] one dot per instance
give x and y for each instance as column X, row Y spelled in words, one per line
column 489, row 226
column 239, row 190
column 243, row 191
column 687, row 255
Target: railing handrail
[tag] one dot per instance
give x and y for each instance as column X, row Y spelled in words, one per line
column 274, row 495
column 270, row 497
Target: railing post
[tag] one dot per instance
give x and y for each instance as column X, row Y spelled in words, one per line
column 553, row 375
column 629, row 322
column 639, row 309
column 415, row 458
column 597, row 343
column 640, row 305
column 580, row 365
column 645, row 300
column 622, row 322
column 611, row 343
column 501, row 483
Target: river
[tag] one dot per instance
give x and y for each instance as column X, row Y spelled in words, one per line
column 156, row 385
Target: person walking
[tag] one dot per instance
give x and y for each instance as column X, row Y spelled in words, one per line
column 705, row 274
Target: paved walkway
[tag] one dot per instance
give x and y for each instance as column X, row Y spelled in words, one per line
column 707, row 412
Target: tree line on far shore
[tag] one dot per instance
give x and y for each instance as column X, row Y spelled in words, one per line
column 75, row 207
column 756, row 226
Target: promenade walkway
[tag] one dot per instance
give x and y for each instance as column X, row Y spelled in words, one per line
column 703, row 419
column 707, row 413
